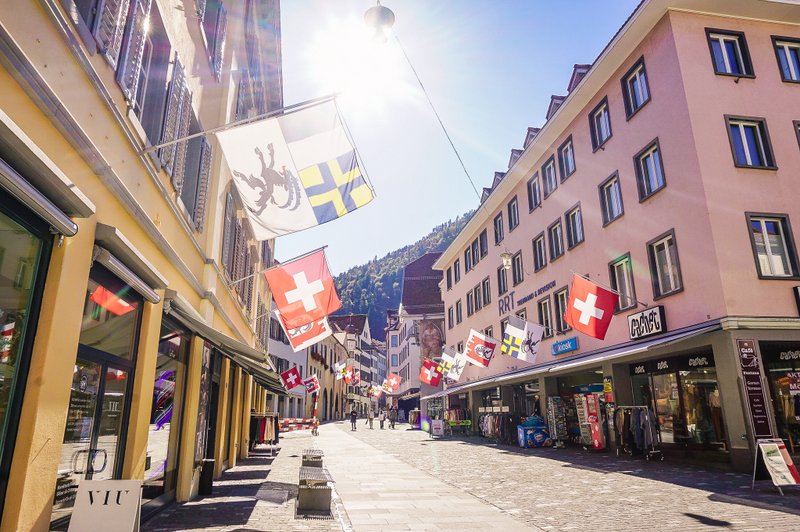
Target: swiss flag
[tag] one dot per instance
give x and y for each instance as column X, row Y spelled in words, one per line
column 590, row 307
column 352, row 375
column 303, row 290
column 291, row 378
column 480, row 348
column 429, row 374
column 305, row 335
column 394, row 381
column 311, row 384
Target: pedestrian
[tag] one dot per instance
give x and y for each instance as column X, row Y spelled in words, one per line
column 353, row 418
column 382, row 417
column 370, row 417
column 392, row 416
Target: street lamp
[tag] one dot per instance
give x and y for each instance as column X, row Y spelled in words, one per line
column 380, row 19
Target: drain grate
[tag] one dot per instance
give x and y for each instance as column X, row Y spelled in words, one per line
column 273, row 496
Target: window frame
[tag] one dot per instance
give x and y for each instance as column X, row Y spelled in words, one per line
column 550, row 227
column 514, row 280
column 636, row 69
column 596, row 144
column 744, row 52
column 449, row 278
column 483, row 243
column 456, row 271
column 795, row 43
column 503, row 325
column 459, row 312
column 499, row 229
column 477, row 296
column 470, row 303
column 561, row 160
column 654, row 145
column 651, row 258
column 513, row 207
column 763, row 138
column 468, row 259
column 571, row 244
column 613, row 282
column 486, row 288
column 534, row 187
column 545, row 321
column 796, row 124
column 476, row 253
column 450, row 318
column 559, row 316
column 788, row 240
column 603, row 205
column 502, row 281
column 549, row 162
column 536, row 265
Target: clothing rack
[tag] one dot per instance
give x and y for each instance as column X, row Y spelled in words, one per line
column 635, row 426
column 264, row 429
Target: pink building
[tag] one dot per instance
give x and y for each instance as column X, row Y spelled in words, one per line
column 668, row 172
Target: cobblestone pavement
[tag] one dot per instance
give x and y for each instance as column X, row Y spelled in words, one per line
column 251, row 497
column 565, row 489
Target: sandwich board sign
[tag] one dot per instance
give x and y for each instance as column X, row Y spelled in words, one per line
column 114, row 503
column 778, row 463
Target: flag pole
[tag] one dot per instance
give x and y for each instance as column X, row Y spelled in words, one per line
column 237, row 281
column 282, row 111
column 606, row 287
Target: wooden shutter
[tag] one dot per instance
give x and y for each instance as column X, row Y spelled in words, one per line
column 238, row 256
column 228, row 233
column 131, row 60
column 248, row 270
column 184, row 119
column 219, row 41
column 206, row 158
column 110, row 27
column 172, row 116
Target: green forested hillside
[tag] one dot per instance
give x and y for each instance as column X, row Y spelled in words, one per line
column 374, row 287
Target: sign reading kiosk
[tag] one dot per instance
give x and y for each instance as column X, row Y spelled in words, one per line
column 114, row 503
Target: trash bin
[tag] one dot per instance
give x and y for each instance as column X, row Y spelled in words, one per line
column 206, row 477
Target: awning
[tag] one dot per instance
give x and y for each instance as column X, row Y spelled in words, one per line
column 592, row 357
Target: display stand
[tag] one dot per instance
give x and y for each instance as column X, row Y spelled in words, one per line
column 648, row 424
column 777, row 462
column 557, row 421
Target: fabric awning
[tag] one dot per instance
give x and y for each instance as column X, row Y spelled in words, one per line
column 586, row 359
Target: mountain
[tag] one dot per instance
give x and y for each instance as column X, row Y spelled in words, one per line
column 374, row 287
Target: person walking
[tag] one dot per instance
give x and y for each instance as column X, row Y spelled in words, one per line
column 370, row 417
column 392, row 416
column 353, row 418
column 382, row 417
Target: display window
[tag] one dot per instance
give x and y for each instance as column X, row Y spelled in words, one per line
column 782, row 367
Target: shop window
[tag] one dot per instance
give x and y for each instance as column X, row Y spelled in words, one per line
column 772, row 241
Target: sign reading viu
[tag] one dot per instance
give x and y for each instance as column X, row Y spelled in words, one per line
column 114, row 503
column 647, row 322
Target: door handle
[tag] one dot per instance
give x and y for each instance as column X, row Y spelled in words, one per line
column 94, row 453
column 75, row 456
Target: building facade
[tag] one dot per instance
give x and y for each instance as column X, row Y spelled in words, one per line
column 293, row 404
column 321, row 360
column 353, row 332
column 664, row 173
column 133, row 330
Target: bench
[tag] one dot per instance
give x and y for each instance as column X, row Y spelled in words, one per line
column 314, row 491
column 312, row 458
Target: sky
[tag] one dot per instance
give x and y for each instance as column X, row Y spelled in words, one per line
column 489, row 67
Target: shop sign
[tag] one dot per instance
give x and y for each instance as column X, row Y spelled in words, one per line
column 754, row 388
column 647, row 323
column 564, row 346
column 437, row 427
column 671, row 364
column 794, row 390
column 114, row 503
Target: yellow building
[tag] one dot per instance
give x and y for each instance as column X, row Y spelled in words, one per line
column 321, row 360
column 132, row 320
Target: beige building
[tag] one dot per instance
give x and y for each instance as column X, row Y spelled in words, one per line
column 133, row 328
column 321, row 360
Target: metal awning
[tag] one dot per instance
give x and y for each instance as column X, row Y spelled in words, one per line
column 586, row 359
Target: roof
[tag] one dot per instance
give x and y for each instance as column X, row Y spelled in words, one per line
column 348, row 323
column 421, row 293
column 578, row 72
column 555, row 103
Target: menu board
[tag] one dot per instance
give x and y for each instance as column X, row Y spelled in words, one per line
column 754, row 388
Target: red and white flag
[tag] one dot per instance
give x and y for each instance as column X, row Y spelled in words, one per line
column 385, row 386
column 394, row 381
column 303, row 289
column 305, row 335
column 429, row 374
column 291, row 378
column 590, row 307
column 311, row 384
column 352, row 375
column 376, row 391
column 6, row 334
column 480, row 349
column 111, row 301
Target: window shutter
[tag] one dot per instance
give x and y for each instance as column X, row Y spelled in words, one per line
column 248, row 270
column 200, row 6
column 219, row 41
column 172, row 115
column 131, row 60
column 241, row 96
column 110, row 27
column 179, row 165
column 236, row 260
column 206, row 158
column 227, row 233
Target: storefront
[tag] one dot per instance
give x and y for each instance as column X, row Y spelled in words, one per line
column 781, row 362
column 582, row 404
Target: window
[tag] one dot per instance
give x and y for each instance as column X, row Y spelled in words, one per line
column 664, row 266
column 456, row 271
column 460, row 347
column 543, row 307
column 562, row 298
column 549, row 176
column 477, row 297
column 502, row 281
column 729, row 53
column 467, row 260
column 449, row 276
column 620, row 272
column 459, row 316
column 215, row 24
column 513, row 214
column 749, row 142
column 394, row 336
column 534, row 192
column 503, row 325
column 475, row 252
column 539, row 253
column 600, row 124
column 489, row 331
column 487, row 296
column 773, row 245
column 649, row 170
column 517, row 274
column 611, row 199
column 522, row 314
column 394, row 360
column 450, row 319
column 566, row 159
column 483, row 243
column 470, row 304
column 498, row 228
column 555, row 235
column 788, row 52
column 635, row 90
column 574, row 226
